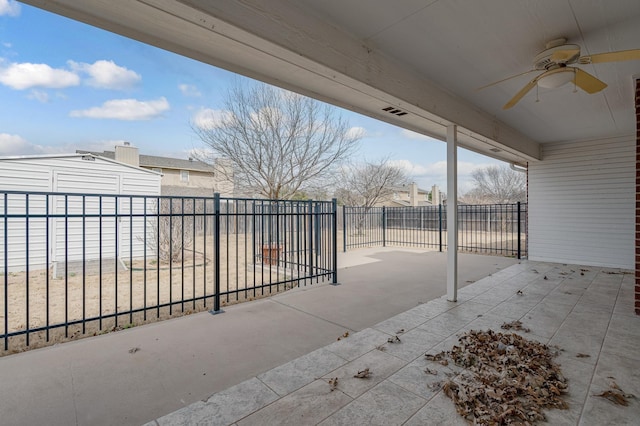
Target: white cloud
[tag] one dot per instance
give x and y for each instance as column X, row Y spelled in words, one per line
column 39, row 95
column 17, row 145
column 9, row 8
column 207, row 118
column 436, row 173
column 356, row 133
column 125, row 109
column 413, row 135
column 27, row 75
column 106, row 74
column 13, row 144
column 6, row 43
column 410, row 168
column 189, row 90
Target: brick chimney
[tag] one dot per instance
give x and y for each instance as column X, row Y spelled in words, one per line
column 435, row 195
column 413, row 194
column 127, row 154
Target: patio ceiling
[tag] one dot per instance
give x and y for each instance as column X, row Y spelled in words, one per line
column 425, row 58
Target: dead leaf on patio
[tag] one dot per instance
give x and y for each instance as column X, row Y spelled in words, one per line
column 363, row 374
column 616, row 395
column 134, row 350
column 400, row 331
column 344, row 336
column 437, row 357
column 509, row 386
column 333, row 383
column 430, row 371
column 545, row 277
column 435, row 385
column 519, row 293
column 580, row 355
column 394, row 339
column 381, row 348
column 516, row 325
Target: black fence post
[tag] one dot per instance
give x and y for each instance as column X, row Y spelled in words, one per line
column 310, row 212
column 384, row 226
column 344, row 229
column 216, row 253
column 440, row 226
column 519, row 244
column 334, row 245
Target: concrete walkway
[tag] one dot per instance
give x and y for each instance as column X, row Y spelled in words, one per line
column 585, row 312
column 140, row 374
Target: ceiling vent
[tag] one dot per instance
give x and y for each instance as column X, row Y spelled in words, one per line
column 395, row 111
column 495, row 149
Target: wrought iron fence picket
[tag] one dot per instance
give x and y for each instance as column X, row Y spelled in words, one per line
column 93, row 263
column 488, row 229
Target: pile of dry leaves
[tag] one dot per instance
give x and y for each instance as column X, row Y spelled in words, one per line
column 509, row 379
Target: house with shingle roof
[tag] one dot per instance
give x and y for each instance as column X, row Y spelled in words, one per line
column 189, row 177
column 410, row 195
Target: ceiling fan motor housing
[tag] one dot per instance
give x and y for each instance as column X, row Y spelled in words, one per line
column 543, row 60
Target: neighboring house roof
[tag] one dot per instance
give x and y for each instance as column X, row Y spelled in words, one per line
column 403, row 203
column 406, row 188
column 174, row 163
column 151, row 161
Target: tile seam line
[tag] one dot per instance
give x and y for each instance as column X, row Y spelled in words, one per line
column 595, row 366
column 314, row 315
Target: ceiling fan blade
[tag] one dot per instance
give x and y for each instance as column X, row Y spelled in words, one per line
column 563, row 56
column 521, row 93
column 504, row 79
column 622, row 55
column 587, row 82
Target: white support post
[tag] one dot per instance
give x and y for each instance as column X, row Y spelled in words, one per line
column 452, row 213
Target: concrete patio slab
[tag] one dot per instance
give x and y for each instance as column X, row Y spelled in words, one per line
column 143, row 373
column 596, row 339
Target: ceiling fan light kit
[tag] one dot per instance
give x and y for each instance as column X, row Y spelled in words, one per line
column 555, row 80
column 555, row 63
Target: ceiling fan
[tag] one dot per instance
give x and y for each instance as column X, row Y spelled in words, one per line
column 555, row 63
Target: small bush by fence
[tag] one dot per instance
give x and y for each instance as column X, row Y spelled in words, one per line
column 490, row 229
column 83, row 264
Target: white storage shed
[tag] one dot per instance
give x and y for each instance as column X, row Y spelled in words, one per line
column 72, row 207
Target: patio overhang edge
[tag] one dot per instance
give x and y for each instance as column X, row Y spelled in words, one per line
column 284, row 46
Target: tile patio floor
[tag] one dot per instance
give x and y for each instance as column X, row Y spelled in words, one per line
column 586, row 310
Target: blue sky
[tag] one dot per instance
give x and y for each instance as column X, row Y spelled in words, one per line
column 65, row 85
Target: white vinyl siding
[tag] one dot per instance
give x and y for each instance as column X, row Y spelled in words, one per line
column 74, row 175
column 582, row 203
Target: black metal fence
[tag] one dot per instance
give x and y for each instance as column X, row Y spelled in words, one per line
column 485, row 228
column 78, row 264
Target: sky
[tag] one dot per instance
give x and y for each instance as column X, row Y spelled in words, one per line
column 65, row 85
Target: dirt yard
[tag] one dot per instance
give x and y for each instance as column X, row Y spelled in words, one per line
column 34, row 302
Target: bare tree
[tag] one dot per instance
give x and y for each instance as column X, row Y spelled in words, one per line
column 367, row 184
column 277, row 141
column 498, row 184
